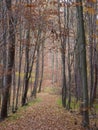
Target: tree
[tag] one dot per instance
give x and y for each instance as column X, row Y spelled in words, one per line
column 10, row 60
column 82, row 46
column 63, row 48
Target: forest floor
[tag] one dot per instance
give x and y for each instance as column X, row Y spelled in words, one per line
column 44, row 114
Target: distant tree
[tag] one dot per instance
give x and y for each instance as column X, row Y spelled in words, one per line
column 42, row 67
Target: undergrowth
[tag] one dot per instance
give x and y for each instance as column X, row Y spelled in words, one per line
column 74, row 105
column 52, row 90
column 23, row 109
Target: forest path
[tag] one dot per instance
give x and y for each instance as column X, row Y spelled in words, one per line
column 43, row 115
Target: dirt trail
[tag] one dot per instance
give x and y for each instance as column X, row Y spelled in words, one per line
column 44, row 115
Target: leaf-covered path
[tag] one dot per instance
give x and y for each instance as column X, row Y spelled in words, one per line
column 43, row 115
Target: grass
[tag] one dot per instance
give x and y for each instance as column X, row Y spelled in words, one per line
column 22, row 76
column 74, row 105
column 22, row 110
column 59, row 102
column 96, row 107
column 37, row 100
column 52, row 90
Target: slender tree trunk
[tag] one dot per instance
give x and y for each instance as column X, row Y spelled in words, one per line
column 42, row 68
column 94, row 91
column 69, row 64
column 14, row 89
column 20, row 64
column 63, row 48
column 90, row 19
column 24, row 97
column 56, row 78
column 52, row 67
column 37, row 73
column 4, row 28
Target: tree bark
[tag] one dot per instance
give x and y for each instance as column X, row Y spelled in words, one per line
column 82, row 46
column 10, row 62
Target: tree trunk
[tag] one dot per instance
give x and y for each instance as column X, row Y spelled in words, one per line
column 37, row 73
column 42, row 68
column 26, row 82
column 82, row 46
column 63, row 48
column 10, row 62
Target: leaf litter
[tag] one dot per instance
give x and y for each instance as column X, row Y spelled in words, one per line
column 44, row 115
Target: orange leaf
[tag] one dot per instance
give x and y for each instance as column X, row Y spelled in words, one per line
column 94, row 36
column 30, row 5
column 90, row 10
column 97, row 22
column 94, row 1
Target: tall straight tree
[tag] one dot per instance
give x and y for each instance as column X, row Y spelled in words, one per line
column 42, row 67
column 63, row 57
column 10, row 60
column 82, row 46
